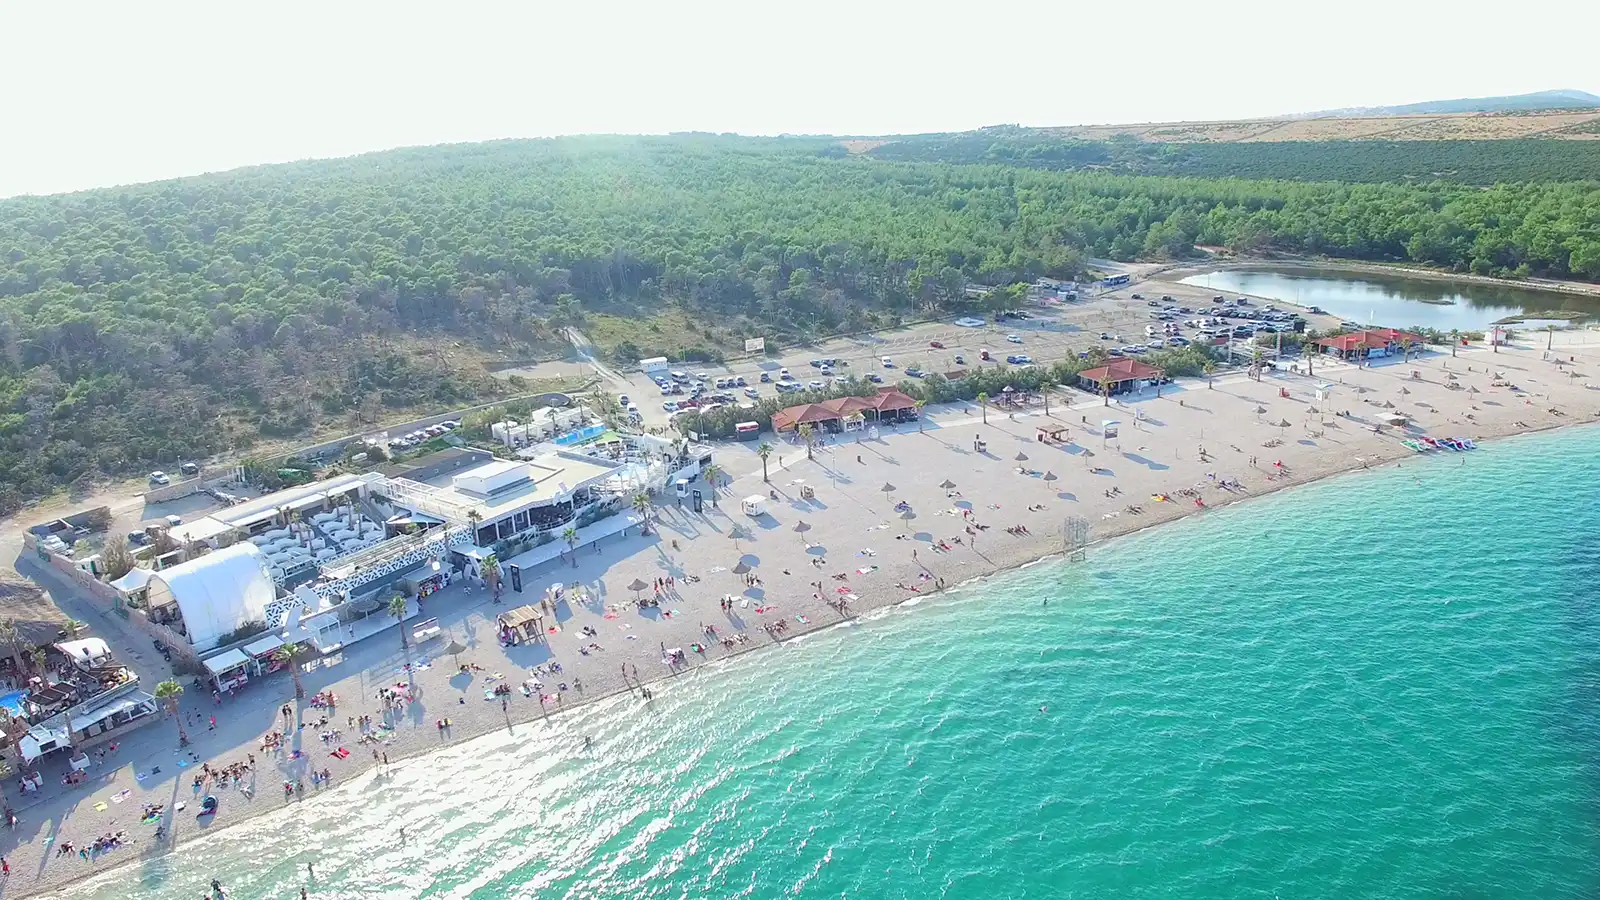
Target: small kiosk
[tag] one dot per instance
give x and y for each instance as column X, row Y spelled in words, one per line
column 229, row 670
column 754, row 505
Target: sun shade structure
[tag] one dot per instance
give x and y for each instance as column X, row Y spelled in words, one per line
column 947, row 484
column 743, row 568
column 1020, row 457
column 455, row 650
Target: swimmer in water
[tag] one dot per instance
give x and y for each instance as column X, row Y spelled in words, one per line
column 1044, row 709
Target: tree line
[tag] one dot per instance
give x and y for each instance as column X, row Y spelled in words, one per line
column 1366, row 161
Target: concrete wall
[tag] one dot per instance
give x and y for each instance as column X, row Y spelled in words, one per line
column 107, row 596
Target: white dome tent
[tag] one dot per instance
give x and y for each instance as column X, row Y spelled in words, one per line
column 216, row 593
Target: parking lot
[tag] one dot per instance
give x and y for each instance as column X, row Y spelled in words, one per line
column 1052, row 332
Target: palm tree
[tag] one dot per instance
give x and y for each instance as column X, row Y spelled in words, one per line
column 38, row 658
column 473, row 518
column 920, row 404
column 1210, row 369
column 72, row 629
column 397, row 608
column 641, row 505
column 570, row 535
column 807, row 434
column 713, row 473
column 491, row 574
column 1455, row 340
column 1256, row 358
column 289, row 655
column 168, row 693
column 764, row 450
column 1045, row 384
column 11, row 639
column 983, row 403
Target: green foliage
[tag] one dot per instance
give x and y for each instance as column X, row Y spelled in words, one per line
column 148, row 324
column 243, row 632
column 1369, row 161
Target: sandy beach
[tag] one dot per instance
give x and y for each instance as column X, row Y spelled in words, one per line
column 1193, row 448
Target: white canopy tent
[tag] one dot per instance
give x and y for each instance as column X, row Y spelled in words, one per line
column 226, row 661
column 216, row 593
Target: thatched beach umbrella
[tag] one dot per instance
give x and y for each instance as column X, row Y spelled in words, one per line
column 1049, row 476
column 906, row 516
column 455, row 650
column 1260, row 410
column 801, row 527
column 1474, row 390
column 947, row 484
column 637, row 585
column 1388, row 404
column 1283, row 423
column 1404, row 389
column 1021, row 457
column 888, row 488
column 743, row 568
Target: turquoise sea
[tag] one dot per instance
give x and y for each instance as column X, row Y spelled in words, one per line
column 1383, row 685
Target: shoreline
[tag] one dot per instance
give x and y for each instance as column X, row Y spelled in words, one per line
column 1001, row 555
column 1184, row 269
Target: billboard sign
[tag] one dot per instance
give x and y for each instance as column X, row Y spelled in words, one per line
column 755, row 345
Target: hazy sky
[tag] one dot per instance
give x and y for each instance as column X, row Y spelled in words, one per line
column 116, row 92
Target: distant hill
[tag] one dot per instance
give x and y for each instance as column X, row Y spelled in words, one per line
column 1514, row 102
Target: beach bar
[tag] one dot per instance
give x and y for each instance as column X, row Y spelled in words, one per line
column 1368, row 343
column 1118, row 376
column 845, row 413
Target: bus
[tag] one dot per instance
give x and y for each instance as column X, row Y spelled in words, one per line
column 747, row 431
column 1114, row 280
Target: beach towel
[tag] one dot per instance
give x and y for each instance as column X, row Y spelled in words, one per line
column 744, row 603
column 100, row 807
column 802, row 620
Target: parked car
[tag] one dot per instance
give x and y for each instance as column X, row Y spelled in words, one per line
column 1107, row 336
column 983, row 355
column 827, row 370
column 739, row 381
column 961, row 360
column 766, row 377
column 888, row 363
column 937, row 345
column 914, row 372
column 159, row 479
column 680, row 376
column 784, row 374
column 1138, row 296
column 816, row 385
column 875, row 378
column 1014, row 338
